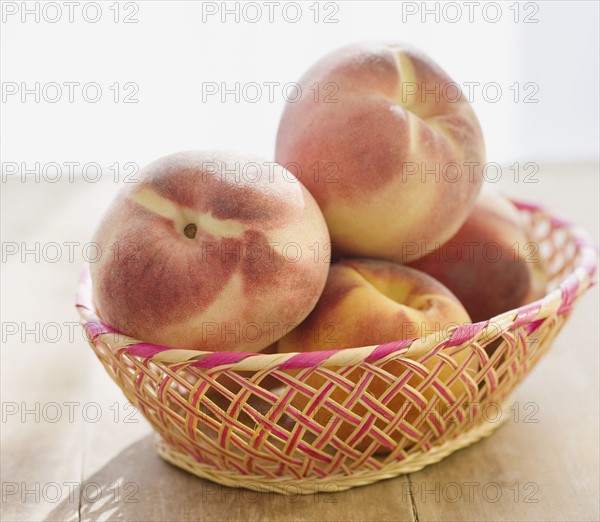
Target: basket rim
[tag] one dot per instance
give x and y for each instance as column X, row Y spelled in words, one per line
column 557, row 301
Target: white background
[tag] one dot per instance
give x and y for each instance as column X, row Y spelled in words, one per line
column 177, row 47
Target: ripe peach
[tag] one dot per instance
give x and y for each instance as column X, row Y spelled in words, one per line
column 388, row 146
column 211, row 251
column 368, row 302
column 490, row 264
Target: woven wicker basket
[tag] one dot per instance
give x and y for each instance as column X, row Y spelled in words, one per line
column 234, row 417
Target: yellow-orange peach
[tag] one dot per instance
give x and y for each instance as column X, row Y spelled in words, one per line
column 490, row 264
column 210, row 251
column 387, row 144
column 368, row 302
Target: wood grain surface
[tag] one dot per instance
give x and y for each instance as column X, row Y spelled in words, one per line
column 73, row 449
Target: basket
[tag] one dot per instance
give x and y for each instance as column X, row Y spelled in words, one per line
column 252, row 420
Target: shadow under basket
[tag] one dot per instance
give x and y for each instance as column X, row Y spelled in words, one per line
column 333, row 420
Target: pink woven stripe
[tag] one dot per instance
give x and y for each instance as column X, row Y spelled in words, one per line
column 321, row 473
column 435, row 421
column 569, row 289
column 558, row 222
column 309, row 451
column 145, row 350
column 411, row 433
column 306, row 390
column 526, row 313
column 532, row 327
column 376, row 407
column 357, row 392
column 95, row 329
column 408, row 391
column 444, row 392
column 452, row 412
column 305, row 420
column 385, row 349
column 366, row 428
column 341, row 412
column 83, row 300
column 464, row 333
column 343, row 447
column 415, row 367
column 293, row 443
column 588, row 260
column 85, row 276
column 315, row 402
column 199, row 392
column 382, row 440
column 240, row 469
column 306, row 360
column 522, row 205
column 84, row 295
column 221, row 359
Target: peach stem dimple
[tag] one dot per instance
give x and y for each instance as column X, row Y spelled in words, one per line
column 190, row 230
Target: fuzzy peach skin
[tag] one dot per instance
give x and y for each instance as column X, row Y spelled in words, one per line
column 490, row 264
column 367, row 302
column 387, row 162
column 211, row 251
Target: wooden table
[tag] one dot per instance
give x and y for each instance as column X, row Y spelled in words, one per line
column 73, row 450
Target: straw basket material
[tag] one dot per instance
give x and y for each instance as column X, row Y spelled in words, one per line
column 275, row 422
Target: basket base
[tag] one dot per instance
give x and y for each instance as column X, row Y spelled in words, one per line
column 333, row 483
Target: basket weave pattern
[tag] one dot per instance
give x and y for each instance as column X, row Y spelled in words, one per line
column 275, row 422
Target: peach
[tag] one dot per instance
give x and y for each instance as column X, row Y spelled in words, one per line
column 368, row 302
column 388, row 146
column 489, row 264
column 210, row 251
